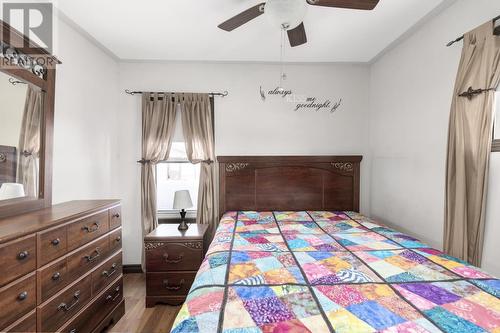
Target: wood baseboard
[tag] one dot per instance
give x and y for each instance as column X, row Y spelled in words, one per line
column 129, row 269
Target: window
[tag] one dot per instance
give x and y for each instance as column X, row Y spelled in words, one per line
column 176, row 174
column 496, row 119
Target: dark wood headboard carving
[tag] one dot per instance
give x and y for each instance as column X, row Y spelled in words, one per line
column 289, row 183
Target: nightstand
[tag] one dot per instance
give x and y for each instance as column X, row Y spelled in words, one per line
column 172, row 261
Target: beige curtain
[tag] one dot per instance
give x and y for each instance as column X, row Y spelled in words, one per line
column 469, row 145
column 158, row 122
column 29, row 142
column 198, row 128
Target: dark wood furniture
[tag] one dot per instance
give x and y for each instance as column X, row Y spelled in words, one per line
column 8, row 164
column 43, row 76
column 289, row 183
column 172, row 260
column 495, row 147
column 61, row 268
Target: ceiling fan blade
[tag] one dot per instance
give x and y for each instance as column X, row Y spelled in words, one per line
column 243, row 17
column 297, row 36
column 351, row 4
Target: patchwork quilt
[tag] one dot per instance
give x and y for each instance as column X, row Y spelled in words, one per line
column 332, row 272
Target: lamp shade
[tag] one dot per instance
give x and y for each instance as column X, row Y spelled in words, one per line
column 182, row 200
column 11, row 191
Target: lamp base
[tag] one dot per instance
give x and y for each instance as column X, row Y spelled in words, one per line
column 183, row 225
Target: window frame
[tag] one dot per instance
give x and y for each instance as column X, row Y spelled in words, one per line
column 174, row 213
column 190, row 213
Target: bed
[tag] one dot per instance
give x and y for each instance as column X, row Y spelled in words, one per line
column 292, row 254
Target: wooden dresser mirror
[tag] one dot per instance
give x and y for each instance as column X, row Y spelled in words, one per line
column 27, row 89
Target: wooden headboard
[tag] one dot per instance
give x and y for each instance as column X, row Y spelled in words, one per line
column 288, row 183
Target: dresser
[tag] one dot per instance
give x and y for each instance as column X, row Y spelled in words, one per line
column 62, row 268
column 173, row 258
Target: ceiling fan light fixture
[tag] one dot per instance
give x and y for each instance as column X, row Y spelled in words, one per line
column 286, row 14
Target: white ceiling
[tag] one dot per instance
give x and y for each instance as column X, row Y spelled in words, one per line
column 186, row 30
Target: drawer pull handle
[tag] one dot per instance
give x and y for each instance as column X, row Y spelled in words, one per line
column 173, row 261
column 56, row 241
column 118, row 239
column 65, row 307
column 56, row 276
column 173, row 288
column 22, row 296
column 73, row 330
column 108, row 274
column 23, row 255
column 93, row 227
column 116, row 216
column 111, row 298
column 92, row 257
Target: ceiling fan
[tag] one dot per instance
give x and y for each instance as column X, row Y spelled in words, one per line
column 290, row 13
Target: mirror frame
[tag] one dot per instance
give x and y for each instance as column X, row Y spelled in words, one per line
column 11, row 36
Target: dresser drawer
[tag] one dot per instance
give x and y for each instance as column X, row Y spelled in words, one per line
column 92, row 314
column 52, row 244
column 89, row 228
column 17, row 258
column 173, row 256
column 87, row 257
column 115, row 217
column 169, row 284
column 115, row 240
column 17, row 299
column 106, row 273
column 62, row 308
column 27, row 324
column 52, row 279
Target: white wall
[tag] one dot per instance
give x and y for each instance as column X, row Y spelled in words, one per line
column 85, row 118
column 244, row 124
column 410, row 96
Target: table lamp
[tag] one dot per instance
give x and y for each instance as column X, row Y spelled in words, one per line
column 182, row 201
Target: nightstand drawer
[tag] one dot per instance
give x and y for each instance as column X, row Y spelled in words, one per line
column 169, row 284
column 163, row 257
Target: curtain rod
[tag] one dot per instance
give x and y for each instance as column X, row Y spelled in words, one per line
column 14, row 81
column 212, row 94
column 496, row 32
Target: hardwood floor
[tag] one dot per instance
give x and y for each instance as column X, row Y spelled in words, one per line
column 139, row 319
